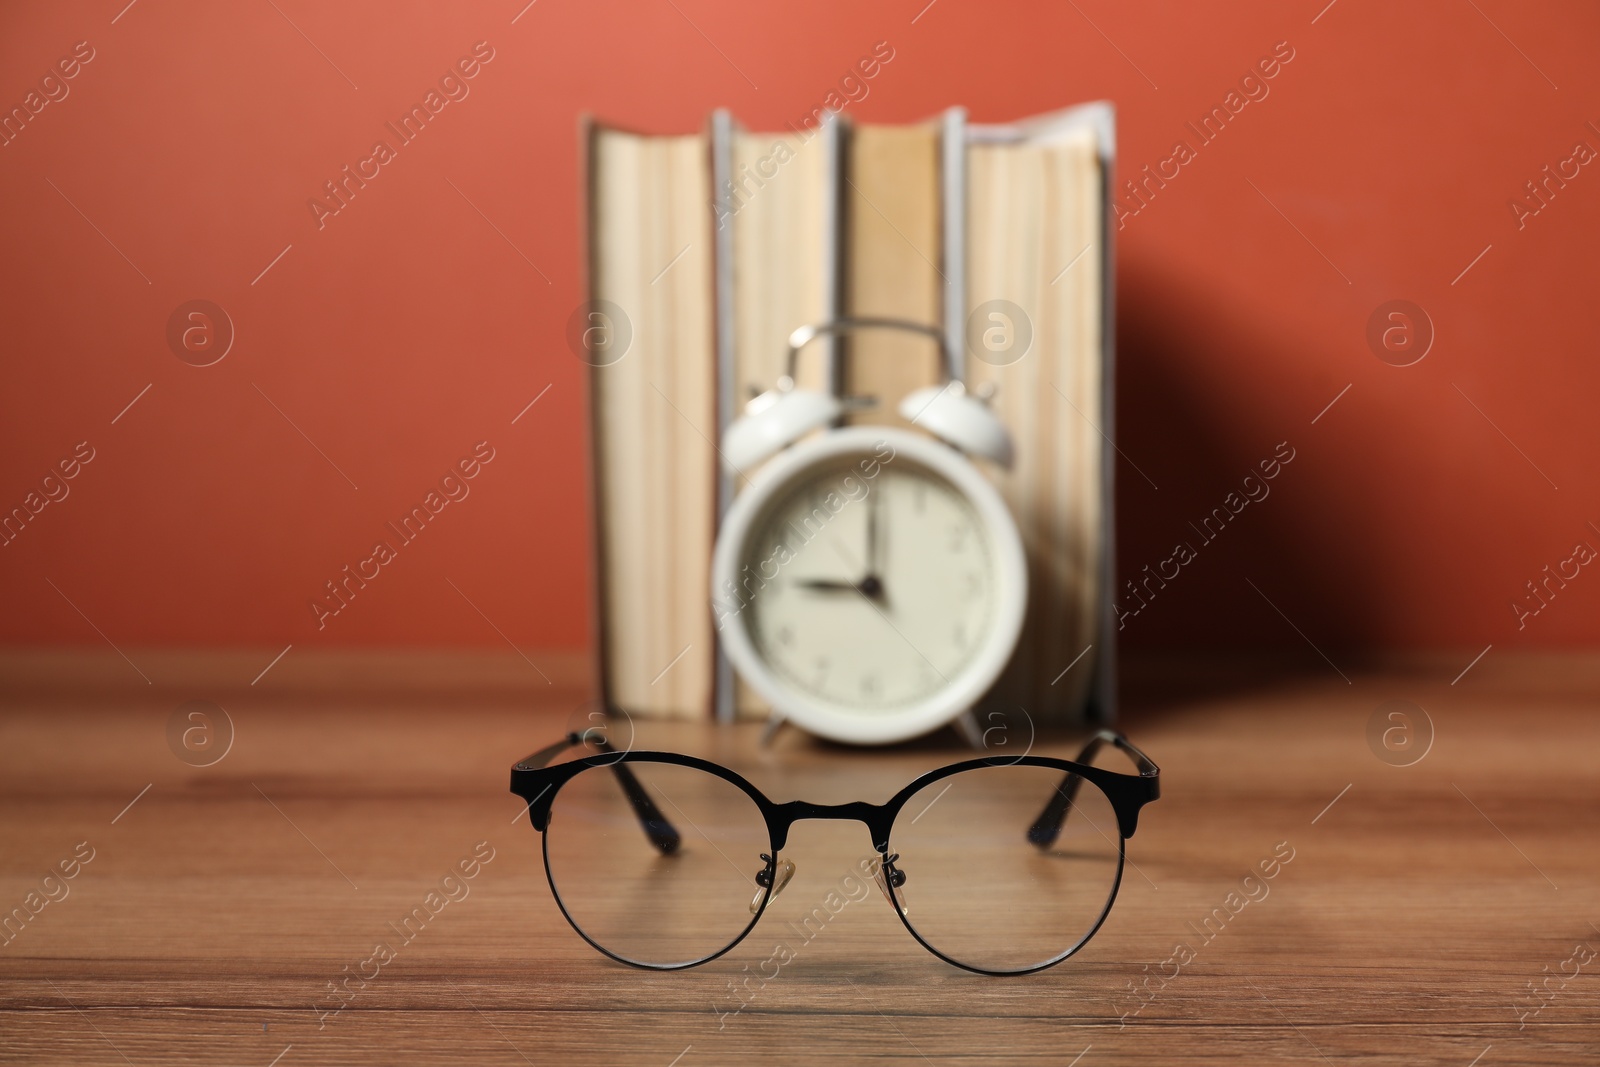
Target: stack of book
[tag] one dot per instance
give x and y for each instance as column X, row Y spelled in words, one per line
column 715, row 246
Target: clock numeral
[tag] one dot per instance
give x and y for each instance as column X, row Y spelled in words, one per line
column 973, row 587
column 960, row 635
column 919, row 497
column 869, row 685
column 958, row 537
column 785, row 636
column 822, row 669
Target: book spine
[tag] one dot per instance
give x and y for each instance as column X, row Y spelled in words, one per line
column 835, row 277
column 953, row 194
column 1103, row 694
column 588, row 142
column 722, row 298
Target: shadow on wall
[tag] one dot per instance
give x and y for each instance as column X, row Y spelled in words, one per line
column 1243, row 482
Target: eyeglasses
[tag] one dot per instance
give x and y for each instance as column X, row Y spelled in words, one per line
column 999, row 865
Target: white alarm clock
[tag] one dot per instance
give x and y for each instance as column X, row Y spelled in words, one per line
column 869, row 583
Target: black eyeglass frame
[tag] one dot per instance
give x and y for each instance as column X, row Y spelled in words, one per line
column 538, row 784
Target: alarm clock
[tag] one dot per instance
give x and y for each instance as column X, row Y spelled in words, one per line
column 869, row 583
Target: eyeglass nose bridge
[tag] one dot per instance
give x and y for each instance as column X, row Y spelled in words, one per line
column 876, row 818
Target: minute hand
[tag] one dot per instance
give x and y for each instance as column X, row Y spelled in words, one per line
column 874, row 533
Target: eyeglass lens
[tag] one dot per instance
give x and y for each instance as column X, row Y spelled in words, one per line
column 979, row 890
column 643, row 898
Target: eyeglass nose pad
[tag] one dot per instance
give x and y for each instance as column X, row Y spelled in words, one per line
column 888, row 875
column 777, row 878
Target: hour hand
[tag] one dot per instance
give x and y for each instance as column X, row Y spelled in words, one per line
column 826, row 585
column 869, row 587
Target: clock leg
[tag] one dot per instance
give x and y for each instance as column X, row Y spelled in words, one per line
column 967, row 723
column 774, row 723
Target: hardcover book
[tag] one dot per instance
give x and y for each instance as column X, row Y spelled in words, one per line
column 716, row 246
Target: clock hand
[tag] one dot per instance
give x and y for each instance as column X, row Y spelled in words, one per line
column 872, row 585
column 869, row 586
column 872, row 533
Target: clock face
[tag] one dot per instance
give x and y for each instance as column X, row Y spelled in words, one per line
column 869, row 593
column 869, row 584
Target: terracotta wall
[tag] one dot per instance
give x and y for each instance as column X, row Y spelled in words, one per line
column 170, row 152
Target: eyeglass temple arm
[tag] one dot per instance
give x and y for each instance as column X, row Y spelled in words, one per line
column 662, row 834
column 1047, row 827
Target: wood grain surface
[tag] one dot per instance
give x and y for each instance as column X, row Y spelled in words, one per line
column 1421, row 905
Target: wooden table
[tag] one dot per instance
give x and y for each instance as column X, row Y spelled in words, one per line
column 221, row 902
